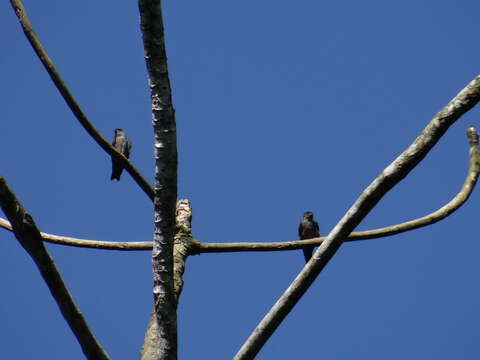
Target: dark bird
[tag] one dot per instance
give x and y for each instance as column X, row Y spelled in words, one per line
column 123, row 145
column 308, row 229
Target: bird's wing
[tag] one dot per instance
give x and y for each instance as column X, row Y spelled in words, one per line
column 128, row 147
column 300, row 228
column 317, row 229
column 121, row 145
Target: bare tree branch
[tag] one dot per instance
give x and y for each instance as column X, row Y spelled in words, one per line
column 70, row 100
column 94, row 244
column 390, row 176
column 28, row 235
column 443, row 212
column 163, row 119
column 197, row 247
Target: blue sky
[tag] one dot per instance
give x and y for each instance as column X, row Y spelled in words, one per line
column 281, row 107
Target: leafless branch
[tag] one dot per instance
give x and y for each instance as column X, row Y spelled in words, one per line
column 94, row 244
column 390, row 176
column 443, row 212
column 28, row 235
column 197, row 247
column 70, row 100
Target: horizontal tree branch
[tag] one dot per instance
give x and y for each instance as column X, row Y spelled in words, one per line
column 71, row 102
column 443, row 212
column 389, row 177
column 197, row 247
column 93, row 244
column 29, row 237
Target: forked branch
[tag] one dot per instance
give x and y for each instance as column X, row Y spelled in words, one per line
column 183, row 241
column 28, row 235
column 183, row 237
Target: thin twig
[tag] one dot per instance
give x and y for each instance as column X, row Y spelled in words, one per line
column 28, row 235
column 390, row 176
column 70, row 100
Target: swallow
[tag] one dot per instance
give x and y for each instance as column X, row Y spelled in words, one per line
column 123, row 145
column 308, row 229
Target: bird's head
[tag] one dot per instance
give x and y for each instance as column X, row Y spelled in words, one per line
column 308, row 215
column 118, row 131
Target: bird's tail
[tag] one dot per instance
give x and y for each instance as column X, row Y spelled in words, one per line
column 307, row 253
column 116, row 172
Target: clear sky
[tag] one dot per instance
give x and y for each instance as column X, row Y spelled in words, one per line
column 281, row 107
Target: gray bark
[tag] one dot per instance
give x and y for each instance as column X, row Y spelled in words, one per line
column 165, row 189
column 182, row 248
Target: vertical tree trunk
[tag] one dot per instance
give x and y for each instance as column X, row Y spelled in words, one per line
column 183, row 247
column 164, row 343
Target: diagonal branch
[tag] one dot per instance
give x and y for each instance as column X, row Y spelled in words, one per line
column 70, row 100
column 197, row 247
column 29, row 237
column 390, row 176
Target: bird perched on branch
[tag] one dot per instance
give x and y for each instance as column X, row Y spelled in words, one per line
column 308, row 229
column 123, row 145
